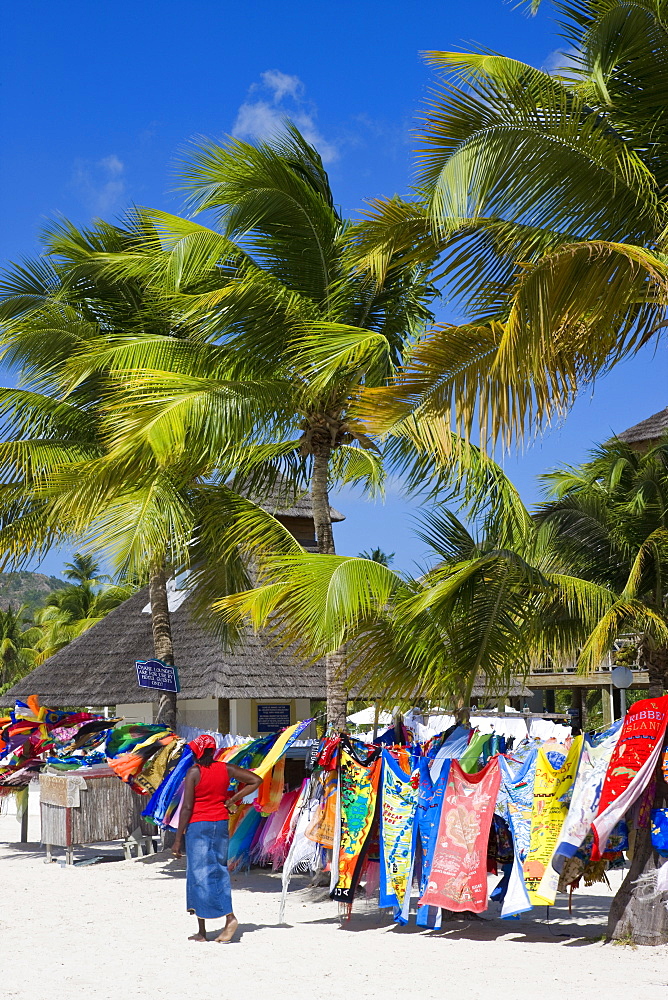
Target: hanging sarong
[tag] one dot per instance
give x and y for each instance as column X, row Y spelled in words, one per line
column 357, row 796
column 631, row 766
column 596, row 754
column 321, row 827
column 451, row 748
column 304, row 855
column 270, row 792
column 549, row 811
column 458, row 877
column 428, row 815
column 397, row 833
column 476, row 748
column 518, row 773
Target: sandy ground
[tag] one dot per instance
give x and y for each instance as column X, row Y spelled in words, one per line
column 119, row 929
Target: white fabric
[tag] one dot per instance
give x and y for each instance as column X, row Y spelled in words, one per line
column 544, row 730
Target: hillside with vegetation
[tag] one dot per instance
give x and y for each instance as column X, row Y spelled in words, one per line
column 29, row 589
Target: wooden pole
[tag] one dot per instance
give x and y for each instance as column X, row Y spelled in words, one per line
column 376, row 719
column 22, row 800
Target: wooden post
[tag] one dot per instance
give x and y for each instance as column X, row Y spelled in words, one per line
column 376, row 719
column 223, row 716
column 22, row 800
column 606, row 706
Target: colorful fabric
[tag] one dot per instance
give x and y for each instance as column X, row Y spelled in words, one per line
column 596, row 754
column 321, row 828
column 270, row 792
column 476, row 749
column 397, row 833
column 357, row 796
column 428, row 815
column 458, row 877
column 514, row 804
column 283, row 743
column 659, row 831
column 551, row 784
column 304, row 854
column 631, row 766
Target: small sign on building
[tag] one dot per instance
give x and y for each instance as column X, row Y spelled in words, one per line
column 271, row 718
column 157, row 675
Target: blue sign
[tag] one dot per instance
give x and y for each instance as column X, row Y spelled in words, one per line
column 157, row 675
column 271, row 718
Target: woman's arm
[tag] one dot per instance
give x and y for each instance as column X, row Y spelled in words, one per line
column 192, row 778
column 248, row 782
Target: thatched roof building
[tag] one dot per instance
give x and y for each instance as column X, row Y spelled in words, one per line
column 220, row 688
column 648, row 432
column 98, row 668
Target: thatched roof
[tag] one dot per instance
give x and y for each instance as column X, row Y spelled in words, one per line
column 274, row 501
column 651, row 429
column 98, row 667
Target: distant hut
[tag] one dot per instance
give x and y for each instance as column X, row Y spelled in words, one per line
column 647, row 433
column 251, row 689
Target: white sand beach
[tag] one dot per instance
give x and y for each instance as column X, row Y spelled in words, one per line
column 119, row 929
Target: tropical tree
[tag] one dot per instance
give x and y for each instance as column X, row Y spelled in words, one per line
column 68, row 472
column 545, row 194
column 70, row 612
column 18, row 642
column 269, row 291
column 611, row 523
column 378, row 555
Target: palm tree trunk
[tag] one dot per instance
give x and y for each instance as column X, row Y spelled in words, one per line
column 337, row 696
column 162, row 638
column 656, row 661
column 633, row 915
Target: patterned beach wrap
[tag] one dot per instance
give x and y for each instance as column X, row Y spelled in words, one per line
column 321, row 827
column 631, row 766
column 596, row 754
column 458, row 877
column 551, row 785
column 357, row 797
column 518, row 774
column 398, row 800
column 427, row 818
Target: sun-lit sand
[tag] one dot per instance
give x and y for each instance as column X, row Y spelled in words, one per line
column 119, row 929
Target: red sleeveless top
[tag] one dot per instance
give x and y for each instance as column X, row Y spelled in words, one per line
column 211, row 791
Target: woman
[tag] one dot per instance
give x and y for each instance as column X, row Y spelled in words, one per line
column 204, row 814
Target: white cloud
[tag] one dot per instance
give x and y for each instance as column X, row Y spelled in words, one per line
column 562, row 62
column 100, row 184
column 278, row 97
column 282, row 84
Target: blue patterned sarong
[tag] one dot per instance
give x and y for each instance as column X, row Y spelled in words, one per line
column 208, row 890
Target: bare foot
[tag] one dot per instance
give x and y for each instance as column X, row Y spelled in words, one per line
column 229, row 931
column 197, row 937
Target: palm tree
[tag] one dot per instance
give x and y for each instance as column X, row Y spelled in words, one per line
column 611, row 523
column 70, row 612
column 84, row 569
column 271, row 291
column 377, row 555
column 65, row 477
column 18, row 641
column 546, row 195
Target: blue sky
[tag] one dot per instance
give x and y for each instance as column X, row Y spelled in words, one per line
column 99, row 100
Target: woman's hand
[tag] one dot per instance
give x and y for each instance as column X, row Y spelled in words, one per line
column 177, row 848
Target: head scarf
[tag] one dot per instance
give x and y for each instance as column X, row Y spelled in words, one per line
column 202, row 743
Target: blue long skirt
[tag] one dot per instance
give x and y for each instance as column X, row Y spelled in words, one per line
column 208, row 890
